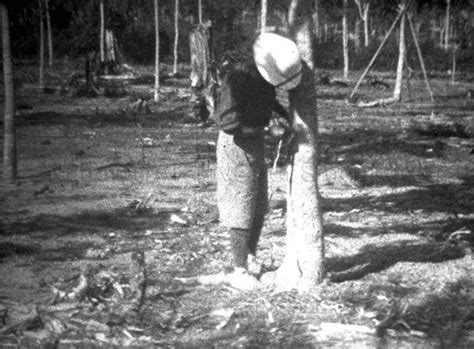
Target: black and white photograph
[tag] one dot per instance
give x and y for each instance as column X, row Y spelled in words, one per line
column 237, row 174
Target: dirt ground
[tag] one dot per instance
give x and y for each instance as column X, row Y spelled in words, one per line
column 100, row 184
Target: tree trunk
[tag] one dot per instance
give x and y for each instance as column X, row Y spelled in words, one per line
column 156, row 94
column 263, row 16
column 41, row 46
column 9, row 133
column 363, row 8
column 102, row 31
column 345, row 41
column 401, row 59
column 110, row 45
column 357, row 36
column 303, row 265
column 317, row 30
column 49, row 34
column 200, row 11
column 366, row 24
column 199, row 40
column 446, row 25
column 176, row 37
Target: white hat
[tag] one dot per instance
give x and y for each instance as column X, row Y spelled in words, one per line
column 278, row 60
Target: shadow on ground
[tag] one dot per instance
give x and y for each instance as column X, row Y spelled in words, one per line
column 375, row 258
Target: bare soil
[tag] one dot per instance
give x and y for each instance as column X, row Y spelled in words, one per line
column 100, row 182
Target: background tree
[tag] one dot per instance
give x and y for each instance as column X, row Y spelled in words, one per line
column 303, row 264
column 49, row 33
column 102, row 31
column 176, row 37
column 263, row 15
column 363, row 7
column 345, row 40
column 41, row 45
column 156, row 93
column 9, row 132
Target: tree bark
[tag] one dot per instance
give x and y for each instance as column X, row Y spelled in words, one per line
column 263, row 16
column 303, row 265
column 199, row 41
column 9, row 135
column 102, row 31
column 345, row 40
column 49, row 34
column 200, row 11
column 156, row 94
column 363, row 8
column 446, row 25
column 41, row 46
column 397, row 92
column 176, row 36
column 317, row 29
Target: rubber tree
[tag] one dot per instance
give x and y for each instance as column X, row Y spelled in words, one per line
column 363, row 7
column 303, row 264
column 156, row 93
column 176, row 36
column 49, row 34
column 9, row 132
column 41, row 45
column 345, row 40
column 102, row 31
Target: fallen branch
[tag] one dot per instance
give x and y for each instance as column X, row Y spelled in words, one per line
column 379, row 102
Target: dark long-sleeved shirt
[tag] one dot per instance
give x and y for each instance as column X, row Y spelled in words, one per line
column 246, row 101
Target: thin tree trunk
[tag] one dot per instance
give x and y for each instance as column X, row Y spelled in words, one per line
column 102, row 31
column 420, row 58
column 401, row 59
column 41, row 46
column 446, row 25
column 200, row 11
column 317, row 30
column 303, row 264
column 157, row 52
column 176, row 36
column 9, row 133
column 357, row 36
column 263, row 16
column 366, row 24
column 345, row 41
column 453, row 68
column 49, row 34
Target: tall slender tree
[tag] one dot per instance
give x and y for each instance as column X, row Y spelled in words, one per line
column 303, row 264
column 176, row 36
column 200, row 11
column 345, row 40
column 9, row 135
column 397, row 91
column 41, row 45
column 447, row 25
column 49, row 33
column 263, row 15
column 157, row 51
column 102, row 31
column 363, row 7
